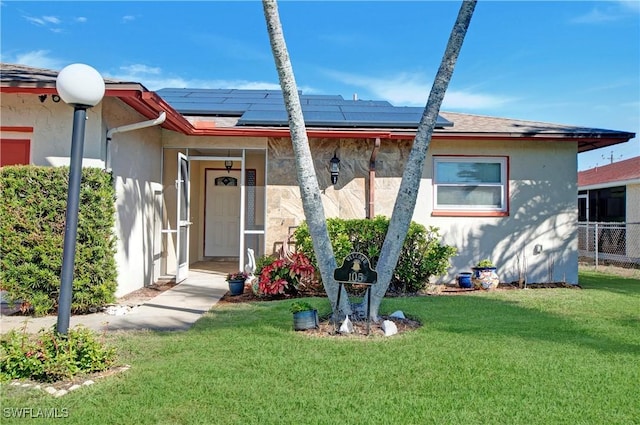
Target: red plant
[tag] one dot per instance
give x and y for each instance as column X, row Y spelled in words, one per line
column 284, row 276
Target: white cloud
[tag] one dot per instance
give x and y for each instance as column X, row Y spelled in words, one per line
column 81, row 19
column 35, row 21
column 632, row 5
column 595, row 16
column 609, row 11
column 154, row 79
column 137, row 69
column 406, row 89
column 460, row 99
column 37, row 59
column 128, row 18
column 51, row 20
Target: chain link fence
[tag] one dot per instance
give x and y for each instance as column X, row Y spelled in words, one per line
column 609, row 244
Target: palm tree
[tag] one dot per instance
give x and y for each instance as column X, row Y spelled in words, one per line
column 407, row 195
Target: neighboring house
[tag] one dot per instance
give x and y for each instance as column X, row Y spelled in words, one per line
column 217, row 176
column 610, row 196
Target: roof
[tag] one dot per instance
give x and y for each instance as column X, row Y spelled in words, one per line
column 15, row 74
column 267, row 108
column 15, row 78
column 370, row 119
column 614, row 174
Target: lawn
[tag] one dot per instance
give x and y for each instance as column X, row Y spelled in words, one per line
column 538, row 356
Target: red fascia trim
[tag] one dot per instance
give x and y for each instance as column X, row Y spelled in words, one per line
column 17, row 129
column 284, row 132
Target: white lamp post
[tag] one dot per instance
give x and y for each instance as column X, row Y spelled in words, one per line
column 82, row 87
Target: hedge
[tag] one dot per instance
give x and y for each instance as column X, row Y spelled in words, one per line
column 32, row 217
column 422, row 255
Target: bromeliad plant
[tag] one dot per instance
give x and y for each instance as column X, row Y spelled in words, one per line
column 237, row 276
column 285, row 276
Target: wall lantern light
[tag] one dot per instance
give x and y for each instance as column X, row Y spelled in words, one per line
column 228, row 164
column 82, row 87
column 334, row 167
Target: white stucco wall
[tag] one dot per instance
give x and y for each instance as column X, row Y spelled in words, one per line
column 542, row 211
column 136, row 162
column 52, row 127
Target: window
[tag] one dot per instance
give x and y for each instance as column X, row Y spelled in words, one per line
column 608, row 204
column 470, row 186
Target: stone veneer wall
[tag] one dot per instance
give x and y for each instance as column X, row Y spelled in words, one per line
column 349, row 198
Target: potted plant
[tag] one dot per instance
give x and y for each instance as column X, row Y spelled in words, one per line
column 236, row 282
column 484, row 275
column 464, row 280
column 304, row 315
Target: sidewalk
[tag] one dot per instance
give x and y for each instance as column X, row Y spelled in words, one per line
column 175, row 309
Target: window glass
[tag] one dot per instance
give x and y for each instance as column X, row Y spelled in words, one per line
column 477, row 196
column 470, row 183
column 468, row 172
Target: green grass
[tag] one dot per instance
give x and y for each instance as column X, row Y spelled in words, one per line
column 540, row 356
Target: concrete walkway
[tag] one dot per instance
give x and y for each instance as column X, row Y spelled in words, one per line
column 175, row 309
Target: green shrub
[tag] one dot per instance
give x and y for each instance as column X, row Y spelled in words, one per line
column 50, row 356
column 32, row 217
column 422, row 255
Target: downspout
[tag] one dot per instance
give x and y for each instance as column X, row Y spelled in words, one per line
column 372, row 177
column 129, row 127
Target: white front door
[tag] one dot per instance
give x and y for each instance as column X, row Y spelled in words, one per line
column 222, row 213
column 183, row 223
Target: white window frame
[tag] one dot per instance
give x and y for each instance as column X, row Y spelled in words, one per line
column 503, row 185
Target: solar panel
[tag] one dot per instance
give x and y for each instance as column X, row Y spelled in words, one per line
column 364, row 108
column 322, row 117
column 443, row 122
column 233, row 110
column 264, row 118
column 321, row 96
column 261, row 101
column 266, row 107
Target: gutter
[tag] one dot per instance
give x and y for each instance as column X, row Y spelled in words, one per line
column 372, row 177
column 129, row 127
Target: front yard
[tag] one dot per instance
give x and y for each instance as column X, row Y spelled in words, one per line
column 539, row 356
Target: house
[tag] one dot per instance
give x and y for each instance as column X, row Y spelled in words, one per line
column 609, row 197
column 210, row 173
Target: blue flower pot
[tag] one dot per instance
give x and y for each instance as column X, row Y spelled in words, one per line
column 464, row 280
column 236, row 287
column 307, row 319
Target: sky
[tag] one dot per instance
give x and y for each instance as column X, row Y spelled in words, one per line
column 569, row 62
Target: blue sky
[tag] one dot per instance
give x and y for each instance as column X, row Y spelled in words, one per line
column 565, row 62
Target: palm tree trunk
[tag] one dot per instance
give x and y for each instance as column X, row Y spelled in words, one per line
column 406, row 200
column 307, row 180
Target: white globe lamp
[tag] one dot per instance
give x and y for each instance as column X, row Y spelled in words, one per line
column 80, row 84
